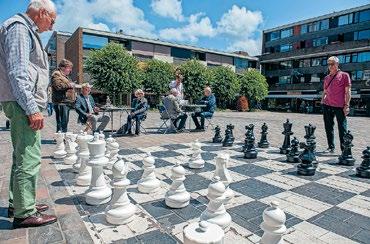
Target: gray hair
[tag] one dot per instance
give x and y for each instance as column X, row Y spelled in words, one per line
column 207, row 88
column 174, row 91
column 48, row 5
column 334, row 58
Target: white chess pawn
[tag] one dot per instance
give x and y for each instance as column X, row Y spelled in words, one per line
column 84, row 172
column 113, row 148
column 203, row 232
column 60, row 151
column 71, row 145
column 224, row 174
column 196, row 161
column 215, row 212
column 109, row 140
column 273, row 225
column 177, row 196
column 121, row 210
column 98, row 192
column 148, row 182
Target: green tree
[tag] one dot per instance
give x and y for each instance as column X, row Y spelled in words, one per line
column 225, row 84
column 196, row 77
column 113, row 70
column 253, row 85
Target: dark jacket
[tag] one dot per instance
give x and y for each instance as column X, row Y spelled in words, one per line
column 62, row 93
column 210, row 101
column 82, row 108
column 139, row 106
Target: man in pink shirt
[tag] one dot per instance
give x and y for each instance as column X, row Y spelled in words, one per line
column 335, row 101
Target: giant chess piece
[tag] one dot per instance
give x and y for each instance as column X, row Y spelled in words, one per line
column 217, row 138
column 60, row 151
column 113, row 147
column 310, row 139
column 293, row 155
column 306, row 158
column 221, row 171
column 215, row 212
column 284, row 149
column 148, row 182
column 364, row 169
column 250, row 151
column 76, row 166
column 71, row 150
column 196, row 161
column 99, row 192
column 84, row 173
column 177, row 196
column 346, row 158
column 120, row 210
column 273, row 225
column 229, row 137
column 203, row 232
column 263, row 143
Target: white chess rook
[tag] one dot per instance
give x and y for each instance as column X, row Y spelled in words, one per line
column 273, row 225
column 71, row 145
column 84, row 171
column 121, row 210
column 215, row 212
column 148, row 182
column 99, row 192
column 196, row 161
column 221, row 171
column 177, row 196
column 60, row 151
column 203, row 232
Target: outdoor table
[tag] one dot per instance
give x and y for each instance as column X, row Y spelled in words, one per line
column 189, row 108
column 111, row 110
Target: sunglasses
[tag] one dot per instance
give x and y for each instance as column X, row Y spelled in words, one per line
column 331, row 64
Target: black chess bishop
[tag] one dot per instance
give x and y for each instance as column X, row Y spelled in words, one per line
column 346, row 158
column 306, row 159
column 293, row 155
column 364, row 169
column 263, row 143
column 217, row 137
column 284, row 149
column 250, row 151
column 229, row 137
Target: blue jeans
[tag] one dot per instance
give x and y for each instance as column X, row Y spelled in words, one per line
column 50, row 109
column 137, row 118
column 202, row 116
column 62, row 117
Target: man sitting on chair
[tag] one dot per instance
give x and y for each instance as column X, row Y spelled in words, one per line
column 88, row 113
column 210, row 101
column 172, row 105
column 139, row 108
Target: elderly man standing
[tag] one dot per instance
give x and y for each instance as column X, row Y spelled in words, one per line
column 335, row 101
column 24, row 78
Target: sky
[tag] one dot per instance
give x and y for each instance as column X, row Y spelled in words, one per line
column 226, row 25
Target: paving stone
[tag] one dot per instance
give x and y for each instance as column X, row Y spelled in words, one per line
column 207, row 167
column 157, row 209
column 188, row 212
column 165, row 154
column 255, row 189
column 175, row 146
column 362, row 236
column 168, row 222
column 250, row 170
column 196, row 182
column 45, row 234
column 80, row 236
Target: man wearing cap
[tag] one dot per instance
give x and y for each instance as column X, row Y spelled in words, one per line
column 335, row 101
column 88, row 112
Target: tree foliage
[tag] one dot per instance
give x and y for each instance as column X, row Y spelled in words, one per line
column 253, row 85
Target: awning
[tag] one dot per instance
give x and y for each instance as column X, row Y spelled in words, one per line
column 307, row 96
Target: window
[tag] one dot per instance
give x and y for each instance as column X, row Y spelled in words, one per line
column 240, row 63
column 364, row 15
column 357, row 75
column 316, row 62
column 199, row 56
column 304, row 63
column 324, row 61
column 52, row 45
column 287, row 33
column 315, row 78
column 303, row 29
column 142, row 57
column 286, row 64
column 344, row 59
column 324, row 24
column 362, row 35
column 94, row 42
column 285, row 79
column 345, row 19
column 180, row 53
column 354, row 57
column 363, row 57
column 286, row 47
column 274, row 35
column 319, row 41
column 313, row 27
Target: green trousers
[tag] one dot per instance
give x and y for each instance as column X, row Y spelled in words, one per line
column 26, row 161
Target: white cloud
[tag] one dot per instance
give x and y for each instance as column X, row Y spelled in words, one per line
column 251, row 46
column 198, row 26
column 99, row 26
column 168, row 8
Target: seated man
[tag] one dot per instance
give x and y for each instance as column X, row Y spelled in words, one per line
column 88, row 113
column 139, row 108
column 171, row 103
column 210, row 101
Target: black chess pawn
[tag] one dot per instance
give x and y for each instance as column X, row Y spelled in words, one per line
column 306, row 158
column 284, row 149
column 293, row 155
column 217, row 138
column 263, row 143
column 364, row 169
column 249, row 148
column 346, row 158
column 229, row 138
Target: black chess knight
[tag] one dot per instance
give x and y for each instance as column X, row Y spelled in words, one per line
column 284, row 149
column 310, row 139
column 217, row 138
column 263, row 143
column 229, row 137
column 249, row 148
column 364, row 169
column 346, row 158
column 306, row 158
column 293, row 155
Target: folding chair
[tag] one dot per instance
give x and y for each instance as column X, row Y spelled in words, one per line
column 141, row 124
column 166, row 119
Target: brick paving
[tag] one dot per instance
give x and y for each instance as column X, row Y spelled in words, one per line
column 51, row 189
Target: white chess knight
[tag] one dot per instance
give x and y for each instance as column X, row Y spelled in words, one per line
column 273, row 225
column 99, row 192
column 177, row 196
column 203, row 232
column 215, row 212
column 221, row 171
column 71, row 145
column 113, row 148
column 196, row 161
column 121, row 210
column 148, row 182
column 84, row 171
column 60, row 151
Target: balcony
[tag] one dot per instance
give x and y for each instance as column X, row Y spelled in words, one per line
column 297, row 86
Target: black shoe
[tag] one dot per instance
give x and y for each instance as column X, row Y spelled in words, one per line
column 35, row 220
column 329, row 150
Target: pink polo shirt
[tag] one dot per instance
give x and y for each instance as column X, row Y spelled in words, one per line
column 335, row 92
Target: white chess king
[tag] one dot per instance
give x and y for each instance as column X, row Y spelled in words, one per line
column 196, row 161
column 177, row 196
column 148, row 182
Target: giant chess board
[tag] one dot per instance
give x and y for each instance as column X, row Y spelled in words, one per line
column 333, row 206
